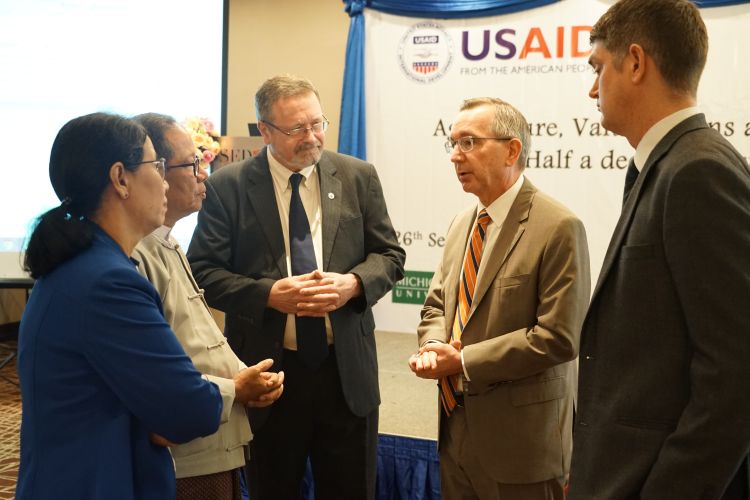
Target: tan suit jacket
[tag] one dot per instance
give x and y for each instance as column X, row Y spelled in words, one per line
column 521, row 338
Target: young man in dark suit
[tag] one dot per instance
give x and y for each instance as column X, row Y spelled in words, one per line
column 295, row 245
column 665, row 348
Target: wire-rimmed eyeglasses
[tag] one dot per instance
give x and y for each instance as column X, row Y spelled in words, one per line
column 466, row 143
column 316, row 128
column 159, row 164
column 196, row 164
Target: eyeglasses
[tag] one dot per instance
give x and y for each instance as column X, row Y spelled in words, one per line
column 196, row 164
column 466, row 144
column 159, row 165
column 317, row 128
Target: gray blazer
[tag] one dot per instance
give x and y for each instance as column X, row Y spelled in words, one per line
column 521, row 336
column 237, row 253
column 664, row 410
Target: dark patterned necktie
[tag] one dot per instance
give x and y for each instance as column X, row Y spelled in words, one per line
column 312, row 347
column 630, row 178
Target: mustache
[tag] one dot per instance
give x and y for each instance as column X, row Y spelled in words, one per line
column 308, row 146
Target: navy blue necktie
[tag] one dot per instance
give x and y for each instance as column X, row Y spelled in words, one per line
column 312, row 347
column 630, row 177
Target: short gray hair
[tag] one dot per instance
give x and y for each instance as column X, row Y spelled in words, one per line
column 508, row 122
column 279, row 87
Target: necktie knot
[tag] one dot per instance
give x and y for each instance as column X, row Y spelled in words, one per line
column 295, row 180
column 483, row 220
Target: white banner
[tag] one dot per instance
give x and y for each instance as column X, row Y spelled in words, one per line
column 418, row 71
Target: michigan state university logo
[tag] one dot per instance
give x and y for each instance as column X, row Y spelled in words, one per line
column 425, row 52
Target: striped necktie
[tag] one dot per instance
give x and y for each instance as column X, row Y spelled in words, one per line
column 465, row 295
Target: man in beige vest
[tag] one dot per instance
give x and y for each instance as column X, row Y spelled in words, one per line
column 207, row 468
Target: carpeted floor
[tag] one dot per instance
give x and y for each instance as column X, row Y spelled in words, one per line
column 10, row 422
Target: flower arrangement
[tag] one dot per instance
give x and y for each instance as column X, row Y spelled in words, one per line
column 205, row 137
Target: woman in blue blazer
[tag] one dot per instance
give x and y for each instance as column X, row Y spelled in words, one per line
column 104, row 381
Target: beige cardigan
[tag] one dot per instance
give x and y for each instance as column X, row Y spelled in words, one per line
column 162, row 261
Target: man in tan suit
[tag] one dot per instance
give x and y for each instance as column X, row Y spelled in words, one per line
column 506, row 418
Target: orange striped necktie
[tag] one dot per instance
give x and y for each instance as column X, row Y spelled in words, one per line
column 465, row 295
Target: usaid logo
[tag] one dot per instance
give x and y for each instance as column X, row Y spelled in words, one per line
column 418, row 40
column 425, row 52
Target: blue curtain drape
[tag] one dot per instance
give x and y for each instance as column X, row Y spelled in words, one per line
column 408, row 469
column 352, row 119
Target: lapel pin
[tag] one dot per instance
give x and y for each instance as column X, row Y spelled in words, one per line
column 331, row 196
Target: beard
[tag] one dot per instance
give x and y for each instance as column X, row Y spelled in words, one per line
column 309, row 154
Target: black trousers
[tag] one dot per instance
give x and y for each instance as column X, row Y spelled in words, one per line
column 311, row 419
column 739, row 487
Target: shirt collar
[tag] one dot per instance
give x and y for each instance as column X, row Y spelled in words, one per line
column 164, row 234
column 500, row 208
column 657, row 132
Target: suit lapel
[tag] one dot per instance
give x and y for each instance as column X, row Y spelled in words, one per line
column 510, row 233
column 262, row 198
column 330, row 205
column 628, row 210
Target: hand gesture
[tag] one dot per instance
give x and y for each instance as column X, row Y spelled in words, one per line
column 256, row 386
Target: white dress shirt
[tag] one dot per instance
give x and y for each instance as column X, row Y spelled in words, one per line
column 657, row 132
column 309, row 192
column 498, row 212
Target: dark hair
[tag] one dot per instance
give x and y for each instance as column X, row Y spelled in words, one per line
column 156, row 126
column 80, row 161
column 670, row 31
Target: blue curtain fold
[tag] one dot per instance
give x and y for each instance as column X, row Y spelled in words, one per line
column 408, row 469
column 718, row 3
column 352, row 119
column 453, row 9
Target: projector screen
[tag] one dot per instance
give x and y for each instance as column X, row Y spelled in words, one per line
column 66, row 58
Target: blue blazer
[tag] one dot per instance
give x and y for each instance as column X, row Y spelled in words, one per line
column 100, row 370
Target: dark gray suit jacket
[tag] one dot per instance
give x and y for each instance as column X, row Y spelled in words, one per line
column 237, row 253
column 664, row 408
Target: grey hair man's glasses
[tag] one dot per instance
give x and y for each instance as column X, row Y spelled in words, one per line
column 466, row 144
column 316, row 128
column 196, row 164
